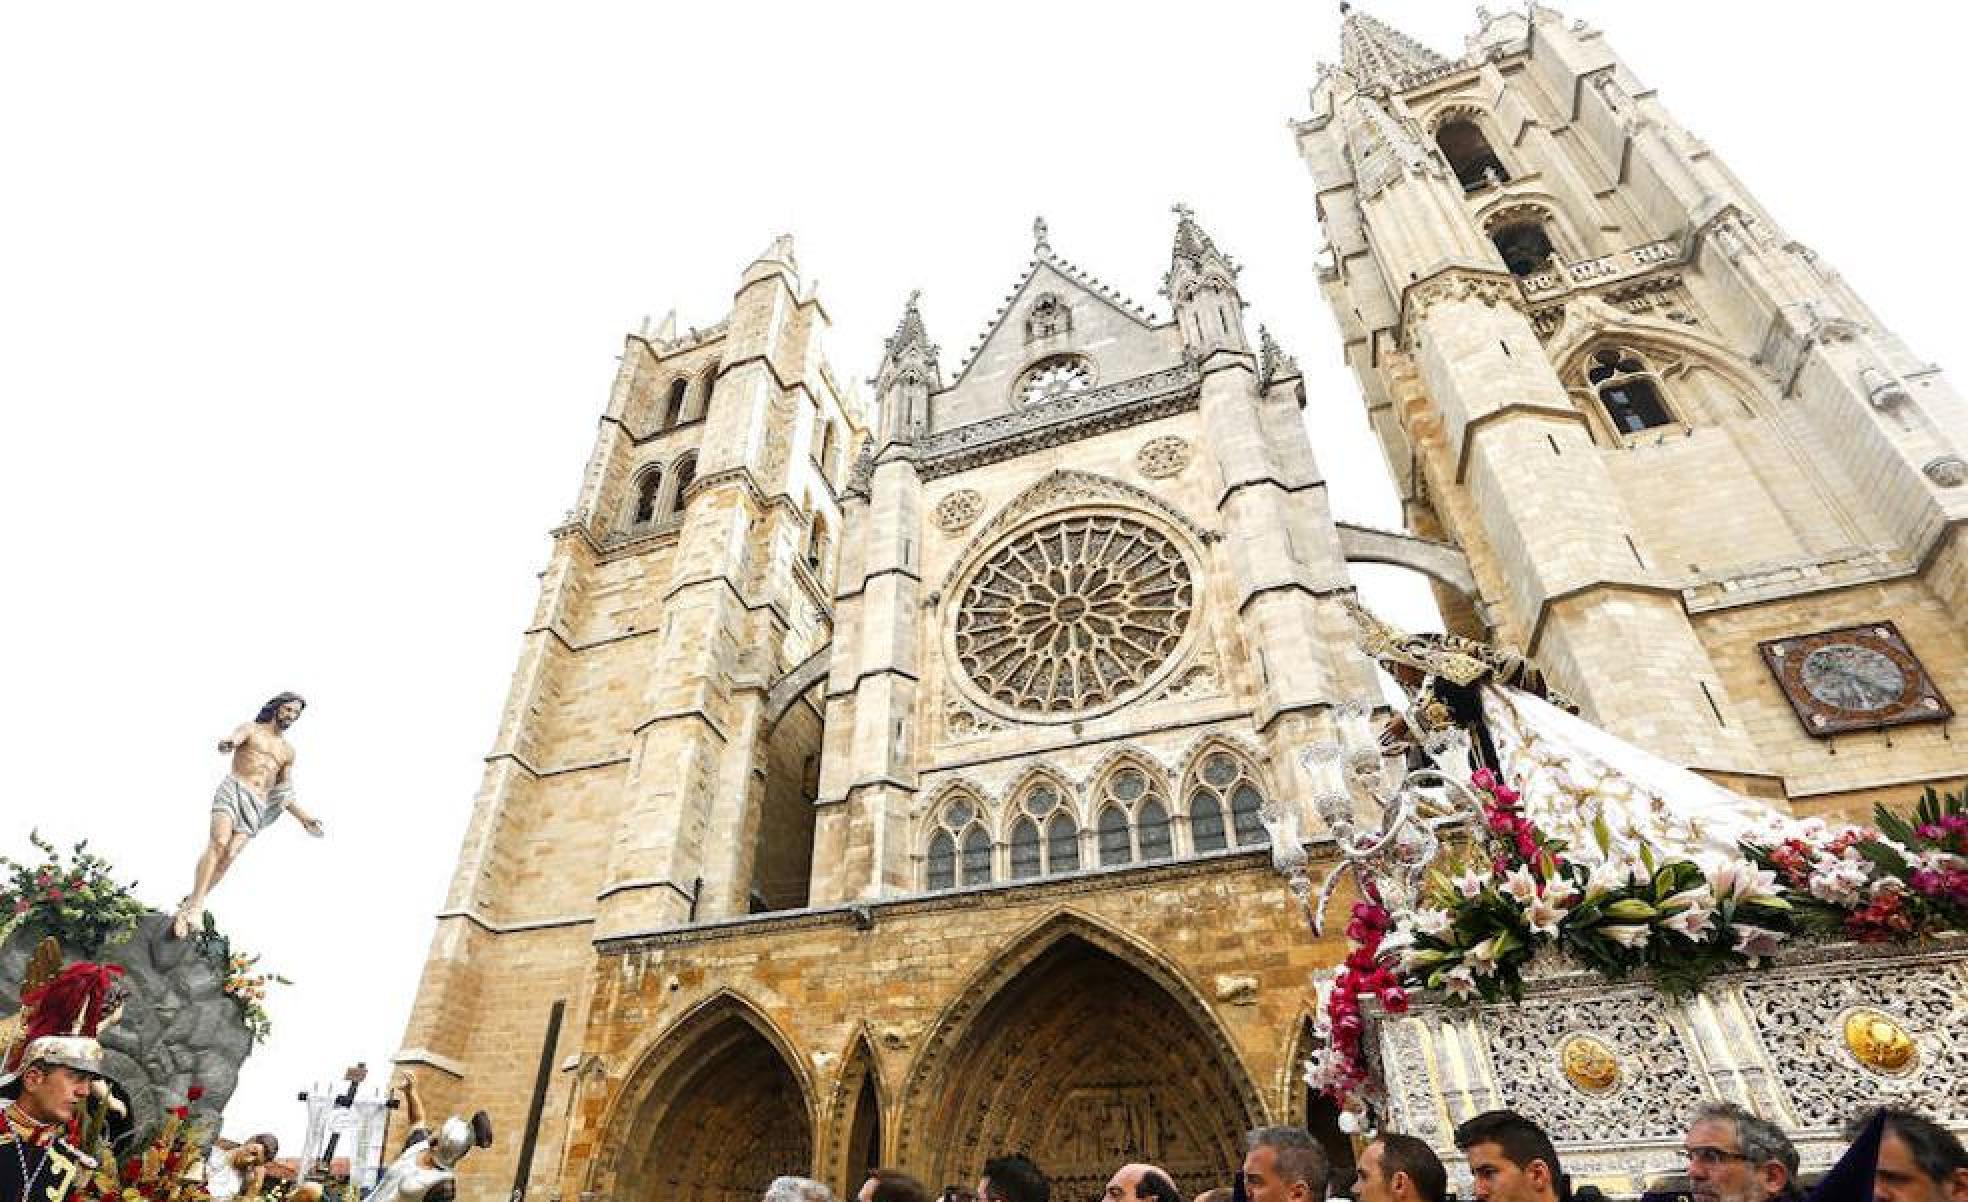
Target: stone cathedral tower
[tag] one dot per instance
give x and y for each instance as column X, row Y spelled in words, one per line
column 1694, row 474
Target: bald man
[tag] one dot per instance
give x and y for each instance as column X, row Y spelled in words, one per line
column 1140, row 1183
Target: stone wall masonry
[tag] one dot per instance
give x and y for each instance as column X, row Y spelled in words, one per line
column 1226, row 932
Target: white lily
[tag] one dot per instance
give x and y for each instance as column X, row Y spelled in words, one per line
column 1520, row 885
column 1460, row 982
column 1431, row 921
column 1544, row 915
column 1627, row 934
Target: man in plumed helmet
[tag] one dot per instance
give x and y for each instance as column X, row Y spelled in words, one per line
column 43, row 1096
column 252, row 796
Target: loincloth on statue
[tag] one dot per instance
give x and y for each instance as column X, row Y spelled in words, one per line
column 249, row 813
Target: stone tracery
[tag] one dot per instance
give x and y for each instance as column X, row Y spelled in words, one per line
column 1078, row 614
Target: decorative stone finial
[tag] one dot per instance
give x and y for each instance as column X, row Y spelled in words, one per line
column 1272, row 361
column 1040, row 245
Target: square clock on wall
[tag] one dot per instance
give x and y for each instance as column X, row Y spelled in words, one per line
column 1855, row 678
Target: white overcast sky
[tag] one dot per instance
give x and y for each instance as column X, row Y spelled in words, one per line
column 307, row 313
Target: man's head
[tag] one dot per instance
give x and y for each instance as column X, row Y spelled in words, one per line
column 1013, row 1178
column 1733, row 1156
column 1919, row 1160
column 256, row 1151
column 1400, row 1168
column 891, row 1185
column 797, row 1189
column 282, row 709
column 52, row 1093
column 1510, row 1157
column 1285, row 1164
column 1140, row 1183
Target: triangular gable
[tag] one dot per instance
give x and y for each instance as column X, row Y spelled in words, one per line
column 1049, row 273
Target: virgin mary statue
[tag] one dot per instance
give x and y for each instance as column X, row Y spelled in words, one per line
column 1574, row 778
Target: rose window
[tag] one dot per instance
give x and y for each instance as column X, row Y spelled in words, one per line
column 1076, row 614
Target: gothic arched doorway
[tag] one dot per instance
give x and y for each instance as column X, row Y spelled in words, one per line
column 1084, row 1060
column 714, row 1113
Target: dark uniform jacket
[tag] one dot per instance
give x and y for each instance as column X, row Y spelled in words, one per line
column 53, row 1165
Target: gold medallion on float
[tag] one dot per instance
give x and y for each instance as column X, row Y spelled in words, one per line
column 1878, row 1042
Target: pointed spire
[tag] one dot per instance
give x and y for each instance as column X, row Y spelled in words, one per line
column 666, row 332
column 909, row 374
column 776, row 259
column 1375, row 53
column 910, row 334
column 1192, row 244
column 781, row 251
column 1201, row 284
column 1272, row 361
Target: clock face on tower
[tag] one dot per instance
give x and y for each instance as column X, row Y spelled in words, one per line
column 1858, row 678
column 1050, row 379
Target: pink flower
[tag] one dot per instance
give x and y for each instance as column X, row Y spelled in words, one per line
column 1756, row 943
column 1394, row 1001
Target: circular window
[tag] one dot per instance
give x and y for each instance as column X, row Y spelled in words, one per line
column 1078, row 614
column 1051, row 379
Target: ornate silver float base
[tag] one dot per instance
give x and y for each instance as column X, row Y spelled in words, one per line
column 1613, row 1071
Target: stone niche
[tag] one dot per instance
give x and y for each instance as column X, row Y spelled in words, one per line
column 178, row 1028
column 1614, row 1071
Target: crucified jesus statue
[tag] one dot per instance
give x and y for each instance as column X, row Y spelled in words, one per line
column 257, row 791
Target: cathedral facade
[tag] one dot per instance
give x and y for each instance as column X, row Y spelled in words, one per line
column 898, row 779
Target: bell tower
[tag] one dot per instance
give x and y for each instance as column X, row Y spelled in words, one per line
column 644, row 775
column 1694, row 474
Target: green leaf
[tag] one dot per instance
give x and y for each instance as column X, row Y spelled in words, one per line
column 1889, row 861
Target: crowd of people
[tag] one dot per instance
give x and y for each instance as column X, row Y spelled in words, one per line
column 1731, row 1154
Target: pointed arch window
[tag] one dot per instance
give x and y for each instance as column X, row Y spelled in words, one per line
column 1062, row 844
column 828, row 450
column 1206, row 821
column 1027, row 859
column 942, row 861
column 1469, row 154
column 817, row 542
column 1629, row 390
column 673, row 408
column 976, row 862
column 704, row 392
column 1221, row 784
column 649, row 491
column 1136, row 796
column 1046, row 806
column 1115, row 846
column 1525, row 246
column 959, row 848
column 1154, row 829
column 686, row 475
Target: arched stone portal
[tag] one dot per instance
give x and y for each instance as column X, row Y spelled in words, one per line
column 713, row 1114
column 1084, row 1058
